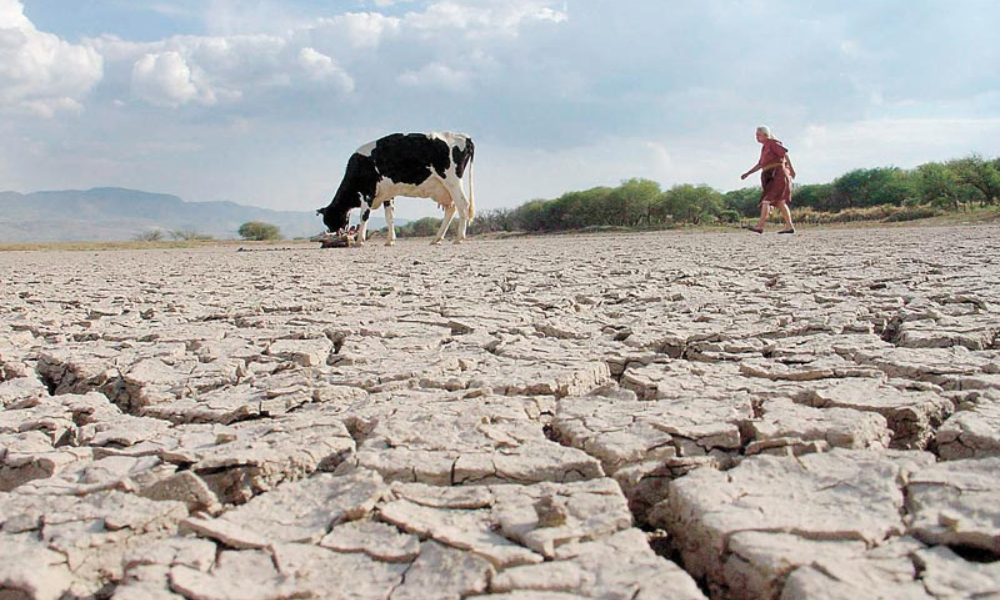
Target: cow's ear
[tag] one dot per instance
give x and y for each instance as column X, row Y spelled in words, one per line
column 321, row 211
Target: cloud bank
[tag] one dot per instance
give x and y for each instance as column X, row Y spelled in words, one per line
column 261, row 102
column 40, row 73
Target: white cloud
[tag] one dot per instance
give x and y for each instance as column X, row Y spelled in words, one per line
column 50, row 107
column 504, row 19
column 39, row 72
column 12, row 15
column 171, row 10
column 320, row 67
column 238, row 17
column 229, row 67
column 901, row 142
column 240, row 62
column 315, row 63
column 852, row 49
column 660, row 156
column 437, row 76
column 360, row 30
column 165, row 79
column 222, row 70
column 385, row 3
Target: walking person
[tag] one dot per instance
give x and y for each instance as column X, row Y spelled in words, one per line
column 776, row 174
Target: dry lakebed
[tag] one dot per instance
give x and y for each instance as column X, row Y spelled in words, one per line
column 638, row 416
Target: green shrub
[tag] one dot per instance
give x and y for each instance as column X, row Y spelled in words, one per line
column 258, row 231
column 425, row 227
column 729, row 216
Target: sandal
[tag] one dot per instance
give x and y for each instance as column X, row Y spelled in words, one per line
column 792, row 230
column 756, row 229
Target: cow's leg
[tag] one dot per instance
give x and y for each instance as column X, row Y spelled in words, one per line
column 362, row 235
column 449, row 213
column 388, row 221
column 461, row 203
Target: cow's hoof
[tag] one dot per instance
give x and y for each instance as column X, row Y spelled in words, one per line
column 436, row 243
column 390, row 244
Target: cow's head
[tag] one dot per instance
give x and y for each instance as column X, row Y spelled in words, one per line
column 334, row 219
column 356, row 189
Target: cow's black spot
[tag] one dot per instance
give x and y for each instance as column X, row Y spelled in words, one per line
column 462, row 158
column 410, row 158
column 364, row 217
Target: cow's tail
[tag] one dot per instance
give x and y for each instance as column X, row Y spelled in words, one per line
column 472, row 184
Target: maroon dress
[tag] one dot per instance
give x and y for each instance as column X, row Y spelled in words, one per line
column 776, row 181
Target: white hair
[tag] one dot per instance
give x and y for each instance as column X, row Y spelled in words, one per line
column 765, row 130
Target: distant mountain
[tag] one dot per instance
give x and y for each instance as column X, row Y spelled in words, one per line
column 117, row 214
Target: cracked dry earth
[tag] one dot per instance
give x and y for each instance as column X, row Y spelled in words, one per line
column 659, row 415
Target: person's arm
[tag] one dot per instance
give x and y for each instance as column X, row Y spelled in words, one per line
column 791, row 169
column 758, row 167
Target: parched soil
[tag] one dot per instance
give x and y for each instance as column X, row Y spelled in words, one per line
column 661, row 415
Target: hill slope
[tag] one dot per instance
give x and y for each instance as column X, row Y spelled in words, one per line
column 117, row 214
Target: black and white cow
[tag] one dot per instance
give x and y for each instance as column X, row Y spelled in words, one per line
column 421, row 165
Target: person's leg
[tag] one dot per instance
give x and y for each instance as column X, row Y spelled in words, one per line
column 786, row 214
column 765, row 211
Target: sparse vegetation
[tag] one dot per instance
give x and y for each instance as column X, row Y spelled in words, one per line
column 152, row 235
column 109, row 245
column 189, row 235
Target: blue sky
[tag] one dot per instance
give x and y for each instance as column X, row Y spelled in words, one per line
column 262, row 101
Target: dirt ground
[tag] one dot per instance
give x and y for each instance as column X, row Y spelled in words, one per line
column 656, row 415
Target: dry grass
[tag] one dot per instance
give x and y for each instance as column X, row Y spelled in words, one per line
column 136, row 245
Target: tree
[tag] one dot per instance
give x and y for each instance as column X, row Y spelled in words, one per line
column 744, row 201
column 572, row 210
column 633, row 201
column 862, row 188
column 491, row 221
column 815, row 196
column 528, row 216
column 258, row 231
column 981, row 176
column 938, row 185
column 692, row 204
column 152, row 235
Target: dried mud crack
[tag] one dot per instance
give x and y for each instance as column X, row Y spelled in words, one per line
column 631, row 416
